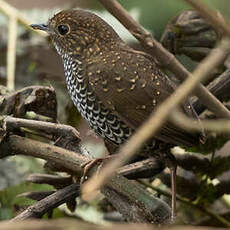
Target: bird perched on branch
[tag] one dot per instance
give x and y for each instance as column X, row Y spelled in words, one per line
column 114, row 87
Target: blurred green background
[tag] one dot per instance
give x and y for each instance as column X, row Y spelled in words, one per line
column 156, row 13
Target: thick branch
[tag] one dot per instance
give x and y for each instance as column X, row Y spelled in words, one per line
column 16, row 145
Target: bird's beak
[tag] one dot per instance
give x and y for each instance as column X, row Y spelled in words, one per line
column 40, row 27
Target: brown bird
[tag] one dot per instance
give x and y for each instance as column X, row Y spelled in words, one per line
column 114, row 87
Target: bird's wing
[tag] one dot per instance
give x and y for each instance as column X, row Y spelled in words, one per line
column 132, row 87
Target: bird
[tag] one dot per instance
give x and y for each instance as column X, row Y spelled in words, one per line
column 114, row 87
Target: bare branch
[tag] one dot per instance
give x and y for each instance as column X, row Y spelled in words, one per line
column 142, row 169
column 14, row 18
column 11, row 123
column 71, row 223
column 220, row 87
column 218, row 126
column 50, row 202
column 10, row 11
column 36, row 195
column 68, row 223
column 11, row 52
column 70, row 160
column 54, row 180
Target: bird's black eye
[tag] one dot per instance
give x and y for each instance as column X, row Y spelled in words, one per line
column 63, row 29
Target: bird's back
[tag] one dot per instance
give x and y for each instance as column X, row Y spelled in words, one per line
column 131, row 85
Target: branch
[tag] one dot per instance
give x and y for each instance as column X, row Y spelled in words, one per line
column 11, row 123
column 196, row 163
column 156, row 120
column 39, row 99
column 50, row 202
column 17, row 145
column 71, row 223
column 147, row 208
column 14, row 18
column 11, row 11
column 57, row 181
column 163, row 56
column 11, row 52
column 37, row 196
column 68, row 223
column 219, row 87
column 142, row 169
column 217, row 126
column 186, row 187
column 125, row 199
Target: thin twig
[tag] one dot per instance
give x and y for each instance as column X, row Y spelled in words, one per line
column 14, row 18
column 164, row 57
column 11, row 52
column 157, row 119
column 218, row 126
column 11, row 11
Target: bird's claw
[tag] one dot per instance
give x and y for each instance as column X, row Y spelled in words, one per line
column 87, row 166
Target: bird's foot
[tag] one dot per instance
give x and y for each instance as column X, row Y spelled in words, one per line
column 87, row 166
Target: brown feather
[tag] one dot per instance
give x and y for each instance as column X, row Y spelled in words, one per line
column 133, row 87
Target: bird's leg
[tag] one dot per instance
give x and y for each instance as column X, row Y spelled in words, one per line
column 170, row 162
column 173, row 189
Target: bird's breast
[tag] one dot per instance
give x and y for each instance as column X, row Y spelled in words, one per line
column 100, row 118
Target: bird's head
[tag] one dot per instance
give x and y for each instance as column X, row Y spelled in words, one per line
column 76, row 31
